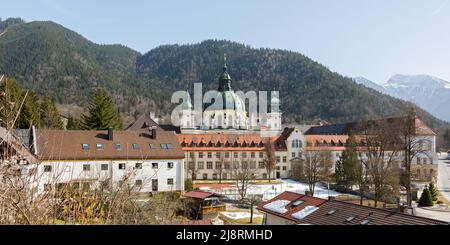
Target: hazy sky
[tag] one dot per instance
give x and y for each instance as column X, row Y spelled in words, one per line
column 374, row 39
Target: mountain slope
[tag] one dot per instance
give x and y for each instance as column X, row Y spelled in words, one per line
column 428, row 92
column 55, row 61
column 61, row 63
column 366, row 82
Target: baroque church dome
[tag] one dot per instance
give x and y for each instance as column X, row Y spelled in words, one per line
column 230, row 100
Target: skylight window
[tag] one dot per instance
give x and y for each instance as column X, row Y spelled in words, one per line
column 85, row 147
column 100, row 147
column 118, row 147
column 304, row 212
column 365, row 222
column 349, row 219
column 166, row 146
column 278, row 206
column 297, row 203
column 331, row 212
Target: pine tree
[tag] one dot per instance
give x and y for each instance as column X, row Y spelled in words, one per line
column 433, row 191
column 101, row 113
column 73, row 123
column 426, row 200
column 348, row 166
column 29, row 114
column 49, row 114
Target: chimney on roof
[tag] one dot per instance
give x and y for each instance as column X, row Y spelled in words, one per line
column 153, row 129
column 331, row 198
column 308, row 193
column 33, row 140
column 110, row 133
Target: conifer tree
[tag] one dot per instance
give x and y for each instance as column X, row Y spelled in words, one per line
column 49, row 114
column 101, row 113
column 348, row 167
column 29, row 114
column 426, row 200
column 73, row 123
column 433, row 191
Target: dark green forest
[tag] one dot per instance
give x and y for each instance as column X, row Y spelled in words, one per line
column 57, row 62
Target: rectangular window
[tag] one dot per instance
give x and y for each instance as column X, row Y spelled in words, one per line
column 284, row 168
column 227, row 165
column 170, row 164
column 284, row 159
column 205, row 176
column 214, row 176
column 218, row 155
column 278, row 159
column 293, row 154
column 47, row 168
column 218, row 165
column 200, row 155
column 152, row 146
column 261, row 154
column 136, row 146
column 191, row 165
column 154, row 165
column 138, row 183
column 99, row 147
column 154, row 185
column 235, row 154
column 122, row 166
column 85, row 147
column 424, row 161
column 191, row 154
column 227, row 155
column 252, row 155
column 138, row 165
column 209, row 154
column 86, row 167
column 209, row 165
column 200, row 165
column 118, row 147
column 170, row 181
column 261, row 164
column 104, row 167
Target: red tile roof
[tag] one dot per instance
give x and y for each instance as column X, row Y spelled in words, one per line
column 198, row 194
column 67, row 145
column 292, row 197
column 332, row 212
column 220, row 141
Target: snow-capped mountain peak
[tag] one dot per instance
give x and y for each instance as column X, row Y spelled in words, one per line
column 417, row 81
column 430, row 93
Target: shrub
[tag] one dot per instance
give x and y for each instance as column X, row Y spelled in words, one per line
column 426, row 200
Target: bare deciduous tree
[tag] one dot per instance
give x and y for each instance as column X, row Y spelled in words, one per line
column 270, row 160
column 243, row 174
column 412, row 146
column 317, row 167
column 380, row 142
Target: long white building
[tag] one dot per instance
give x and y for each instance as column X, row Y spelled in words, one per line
column 146, row 160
